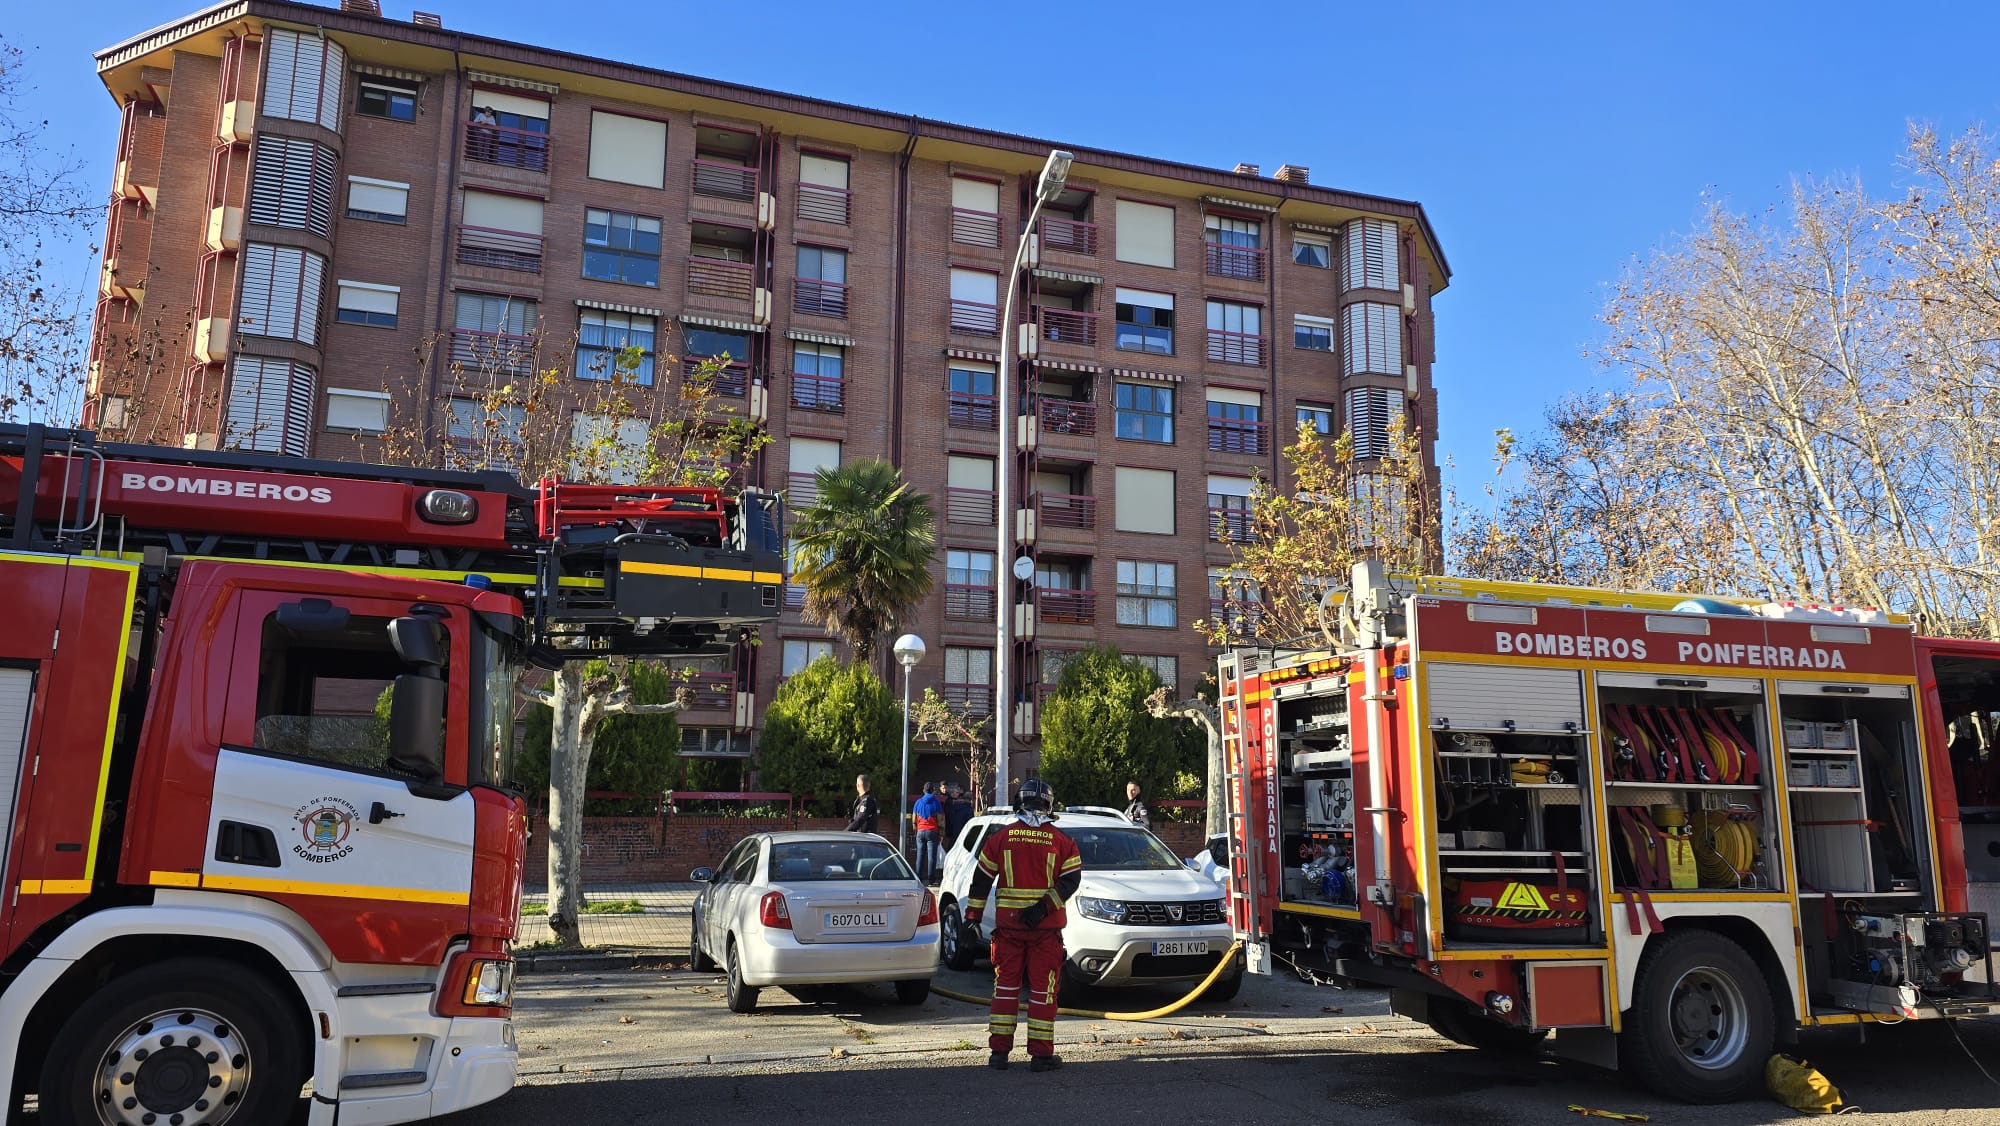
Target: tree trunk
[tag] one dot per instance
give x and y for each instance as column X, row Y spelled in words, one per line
column 1218, row 786
column 569, row 762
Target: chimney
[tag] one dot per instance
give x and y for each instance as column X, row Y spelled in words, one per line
column 361, row 7
column 1246, row 170
column 426, row 19
column 1294, row 174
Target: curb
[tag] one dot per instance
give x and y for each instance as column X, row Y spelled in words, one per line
column 596, row 958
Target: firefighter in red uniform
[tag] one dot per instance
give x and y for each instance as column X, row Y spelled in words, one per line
column 1036, row 869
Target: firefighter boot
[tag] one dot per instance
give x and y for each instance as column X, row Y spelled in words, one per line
column 997, row 1061
column 1044, row 1063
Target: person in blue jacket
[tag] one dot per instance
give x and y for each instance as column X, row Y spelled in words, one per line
column 928, row 812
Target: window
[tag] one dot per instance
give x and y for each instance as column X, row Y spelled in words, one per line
column 1235, row 421
column 1312, row 333
column 818, row 377
column 1168, row 669
column 1371, row 339
column 968, row 679
column 975, row 302
column 1234, row 599
column 364, row 412
column 292, row 185
column 603, row 342
column 1319, row 416
column 317, row 694
column 609, row 451
column 270, row 406
column 1235, row 333
column 484, row 436
column 823, row 194
column 1372, row 259
column 1371, row 411
column 380, row 201
column 1144, row 500
column 628, row 150
column 968, row 568
column 1145, row 233
column 970, row 395
column 621, row 248
column 1053, row 661
column 1145, row 321
column 502, row 231
column 385, row 97
column 362, row 303
column 1234, row 247
column 1146, row 594
column 493, row 314
column 1229, row 508
column 282, row 287
column 302, row 77
column 975, row 211
column 808, row 457
column 508, row 129
column 969, row 495
column 1312, row 250
column 800, row 652
column 821, row 286
column 968, row 585
column 1145, row 412
column 720, row 742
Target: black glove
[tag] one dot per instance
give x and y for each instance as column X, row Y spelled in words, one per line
column 1033, row 914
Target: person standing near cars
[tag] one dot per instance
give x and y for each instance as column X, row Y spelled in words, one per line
column 866, row 808
column 928, row 813
column 1031, row 868
column 1136, row 811
column 957, row 814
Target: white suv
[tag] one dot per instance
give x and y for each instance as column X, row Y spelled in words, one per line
column 1139, row 917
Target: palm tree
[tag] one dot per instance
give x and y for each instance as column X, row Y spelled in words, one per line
column 862, row 551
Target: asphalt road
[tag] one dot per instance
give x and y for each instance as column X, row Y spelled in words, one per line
column 647, row 1046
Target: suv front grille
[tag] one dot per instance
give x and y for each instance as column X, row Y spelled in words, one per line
column 1194, row 913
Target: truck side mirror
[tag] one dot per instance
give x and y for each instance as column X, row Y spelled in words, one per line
column 416, row 725
column 419, row 641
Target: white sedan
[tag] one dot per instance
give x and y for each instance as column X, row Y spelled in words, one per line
column 804, row 908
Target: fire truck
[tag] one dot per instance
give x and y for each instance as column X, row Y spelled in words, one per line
column 1649, row 832
column 258, row 823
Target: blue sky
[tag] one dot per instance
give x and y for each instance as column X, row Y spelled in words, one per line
column 1549, row 143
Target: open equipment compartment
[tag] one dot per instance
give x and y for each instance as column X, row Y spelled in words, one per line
column 1316, row 791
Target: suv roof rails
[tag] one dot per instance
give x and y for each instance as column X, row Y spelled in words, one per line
column 1105, row 810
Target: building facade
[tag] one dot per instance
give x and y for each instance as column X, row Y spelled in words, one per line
column 317, row 209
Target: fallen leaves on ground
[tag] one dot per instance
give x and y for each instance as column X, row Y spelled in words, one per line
column 1331, row 1009
column 627, row 1020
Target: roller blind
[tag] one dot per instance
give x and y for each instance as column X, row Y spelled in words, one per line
column 1145, row 500
column 628, row 150
column 1231, row 395
column 378, row 197
column 810, row 455
column 975, row 285
column 1228, row 486
column 970, row 472
column 347, row 409
column 369, row 298
column 503, row 213
column 511, row 103
column 1145, row 233
column 825, row 171
column 1146, row 298
column 975, row 195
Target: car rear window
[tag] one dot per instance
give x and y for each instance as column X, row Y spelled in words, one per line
column 810, row 861
column 1126, row 850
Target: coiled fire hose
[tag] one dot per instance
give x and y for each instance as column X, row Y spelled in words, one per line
column 1150, row 1014
column 1725, row 848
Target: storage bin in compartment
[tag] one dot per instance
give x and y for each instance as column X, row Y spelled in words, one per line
column 1801, row 771
column 1839, row 774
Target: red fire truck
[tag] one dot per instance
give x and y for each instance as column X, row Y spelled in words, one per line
column 1662, row 833
column 227, row 871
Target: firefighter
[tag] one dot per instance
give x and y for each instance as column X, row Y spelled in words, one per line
column 1036, row 869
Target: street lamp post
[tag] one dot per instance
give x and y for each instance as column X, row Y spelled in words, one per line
column 1054, row 174
column 909, row 649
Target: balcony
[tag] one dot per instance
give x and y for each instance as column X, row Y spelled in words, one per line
column 501, row 250
column 1068, row 326
column 819, row 393
column 492, row 351
column 1240, row 616
column 1238, row 436
column 801, row 490
column 1065, row 510
column 716, row 277
column 712, row 690
column 1235, row 347
column 1072, row 236
column 723, row 181
column 731, row 380
column 975, row 700
column 1061, row 605
column 975, row 228
column 975, row 318
column 1228, row 525
column 822, row 204
column 1068, row 416
column 964, row 602
column 970, row 506
column 819, row 298
column 973, row 412
column 511, row 148
column 1224, row 261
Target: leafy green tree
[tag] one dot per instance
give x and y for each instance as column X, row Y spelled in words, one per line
column 865, row 544
column 1098, row 734
column 632, row 754
column 826, row 725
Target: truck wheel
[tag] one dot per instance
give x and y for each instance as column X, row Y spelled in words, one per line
column 954, row 949
column 1701, row 1024
column 698, row 959
column 187, row 1039
column 742, row 998
column 1462, row 1023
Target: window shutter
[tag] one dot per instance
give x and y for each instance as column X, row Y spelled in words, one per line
column 975, row 285
column 628, row 150
column 975, row 195
column 1373, row 257
column 302, row 77
column 282, row 291
column 292, row 184
column 1231, row 395
column 503, row 213
column 365, row 298
column 1371, row 339
column 825, row 171
column 1145, row 298
column 271, row 406
column 1144, row 500
column 1370, row 411
column 511, row 103
column 253, row 305
column 347, row 409
column 1221, row 486
column 969, row 472
column 281, row 67
column 378, row 197
column 333, row 69
column 812, row 454
column 1145, row 233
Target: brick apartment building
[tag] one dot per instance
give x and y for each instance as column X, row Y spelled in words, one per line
column 304, row 196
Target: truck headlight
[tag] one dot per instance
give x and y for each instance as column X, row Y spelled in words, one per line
column 490, row 983
column 1103, row 910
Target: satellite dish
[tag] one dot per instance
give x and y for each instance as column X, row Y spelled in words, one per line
column 1024, row 568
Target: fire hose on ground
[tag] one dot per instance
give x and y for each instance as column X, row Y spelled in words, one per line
column 1150, row 1014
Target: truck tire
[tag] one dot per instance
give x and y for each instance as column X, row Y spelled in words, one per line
column 1701, row 1023
column 188, row 1036
column 698, row 959
column 742, row 998
column 1461, row 1022
column 956, row 948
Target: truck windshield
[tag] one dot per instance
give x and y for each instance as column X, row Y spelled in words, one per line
column 496, row 668
column 1121, row 850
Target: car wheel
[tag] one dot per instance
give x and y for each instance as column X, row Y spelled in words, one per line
column 1225, row 988
column 1702, row 1021
column 1464, row 1023
column 1074, row 984
column 698, row 959
column 955, row 948
column 742, row 998
column 913, row 992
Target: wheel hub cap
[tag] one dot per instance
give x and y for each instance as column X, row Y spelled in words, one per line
column 1709, row 1019
column 181, row 1067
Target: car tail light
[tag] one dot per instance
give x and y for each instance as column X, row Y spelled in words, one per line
column 772, row 912
column 929, row 914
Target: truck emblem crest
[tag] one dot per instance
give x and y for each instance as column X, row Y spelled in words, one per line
column 325, row 824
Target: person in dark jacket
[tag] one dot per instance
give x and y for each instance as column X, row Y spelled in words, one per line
column 958, row 813
column 866, row 808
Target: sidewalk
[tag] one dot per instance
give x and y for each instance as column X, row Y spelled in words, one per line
column 661, row 931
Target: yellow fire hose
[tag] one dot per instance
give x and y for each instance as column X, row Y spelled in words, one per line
column 1149, row 1014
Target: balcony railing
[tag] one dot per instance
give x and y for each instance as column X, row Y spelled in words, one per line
column 971, row 699
column 801, row 490
column 819, row 298
column 505, row 250
column 823, row 204
column 1065, row 510
column 970, row 506
column 1068, row 416
column 1224, row 261
column 819, row 393
column 716, row 277
column 1061, row 605
column 1228, row 525
column 975, row 318
column 731, row 380
column 492, row 351
column 712, row 689
column 514, row 148
column 1241, row 617
column 1068, row 326
column 724, row 181
column 1071, row 235
column 1235, row 347
column 975, row 228
column 973, row 412
column 966, row 603
column 794, row 596
column 1238, row 436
